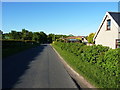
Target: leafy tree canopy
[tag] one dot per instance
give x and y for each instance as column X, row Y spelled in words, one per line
column 90, row 37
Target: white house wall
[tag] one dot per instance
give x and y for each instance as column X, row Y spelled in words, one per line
column 107, row 37
column 119, row 33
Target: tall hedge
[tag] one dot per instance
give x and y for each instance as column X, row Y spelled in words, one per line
column 101, row 63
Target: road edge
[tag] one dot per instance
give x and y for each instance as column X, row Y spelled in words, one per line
column 81, row 81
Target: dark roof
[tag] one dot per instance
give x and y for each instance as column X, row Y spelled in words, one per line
column 116, row 16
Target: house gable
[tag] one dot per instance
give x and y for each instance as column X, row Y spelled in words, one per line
column 113, row 18
column 104, row 36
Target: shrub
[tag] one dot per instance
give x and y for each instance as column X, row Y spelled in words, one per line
column 99, row 63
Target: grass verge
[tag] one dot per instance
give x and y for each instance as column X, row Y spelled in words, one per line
column 93, row 73
column 77, row 65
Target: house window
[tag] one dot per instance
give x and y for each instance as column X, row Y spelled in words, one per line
column 117, row 43
column 108, row 24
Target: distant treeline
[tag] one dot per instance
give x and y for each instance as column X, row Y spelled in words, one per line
column 39, row 37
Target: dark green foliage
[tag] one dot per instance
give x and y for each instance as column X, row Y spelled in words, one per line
column 15, row 43
column 90, row 37
column 43, row 37
column 55, row 37
column 97, row 63
column 39, row 37
column 25, row 34
column 10, row 47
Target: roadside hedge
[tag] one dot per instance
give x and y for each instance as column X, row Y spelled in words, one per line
column 16, row 43
column 98, row 63
column 10, row 47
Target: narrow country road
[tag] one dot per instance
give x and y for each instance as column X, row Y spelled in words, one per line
column 39, row 67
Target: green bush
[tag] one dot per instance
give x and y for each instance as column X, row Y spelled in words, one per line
column 10, row 47
column 16, row 43
column 98, row 63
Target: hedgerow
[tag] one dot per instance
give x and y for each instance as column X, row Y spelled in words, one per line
column 16, row 43
column 99, row 64
column 10, row 47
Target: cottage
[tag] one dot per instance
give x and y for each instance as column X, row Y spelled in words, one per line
column 108, row 33
column 76, row 39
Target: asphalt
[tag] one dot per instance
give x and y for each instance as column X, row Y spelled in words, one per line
column 39, row 67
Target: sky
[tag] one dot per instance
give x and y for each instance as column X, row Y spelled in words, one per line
column 77, row 18
column 60, row 0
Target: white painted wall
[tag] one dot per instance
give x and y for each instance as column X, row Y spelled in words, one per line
column 107, row 38
column 119, row 33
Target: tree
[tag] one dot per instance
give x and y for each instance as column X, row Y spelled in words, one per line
column 90, row 37
column 53, row 37
column 19, row 35
column 15, row 35
column 1, row 32
column 43, row 37
column 12, row 35
column 50, row 38
column 25, row 34
column 30, row 35
column 40, row 37
column 36, row 36
column 60, row 36
column 6, row 36
column 70, row 35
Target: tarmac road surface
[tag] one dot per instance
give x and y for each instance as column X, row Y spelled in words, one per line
column 39, row 67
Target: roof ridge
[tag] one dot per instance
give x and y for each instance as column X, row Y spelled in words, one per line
column 113, row 12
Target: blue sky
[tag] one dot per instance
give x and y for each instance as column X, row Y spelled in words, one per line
column 77, row 18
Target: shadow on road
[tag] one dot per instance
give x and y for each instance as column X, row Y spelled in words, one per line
column 15, row 66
